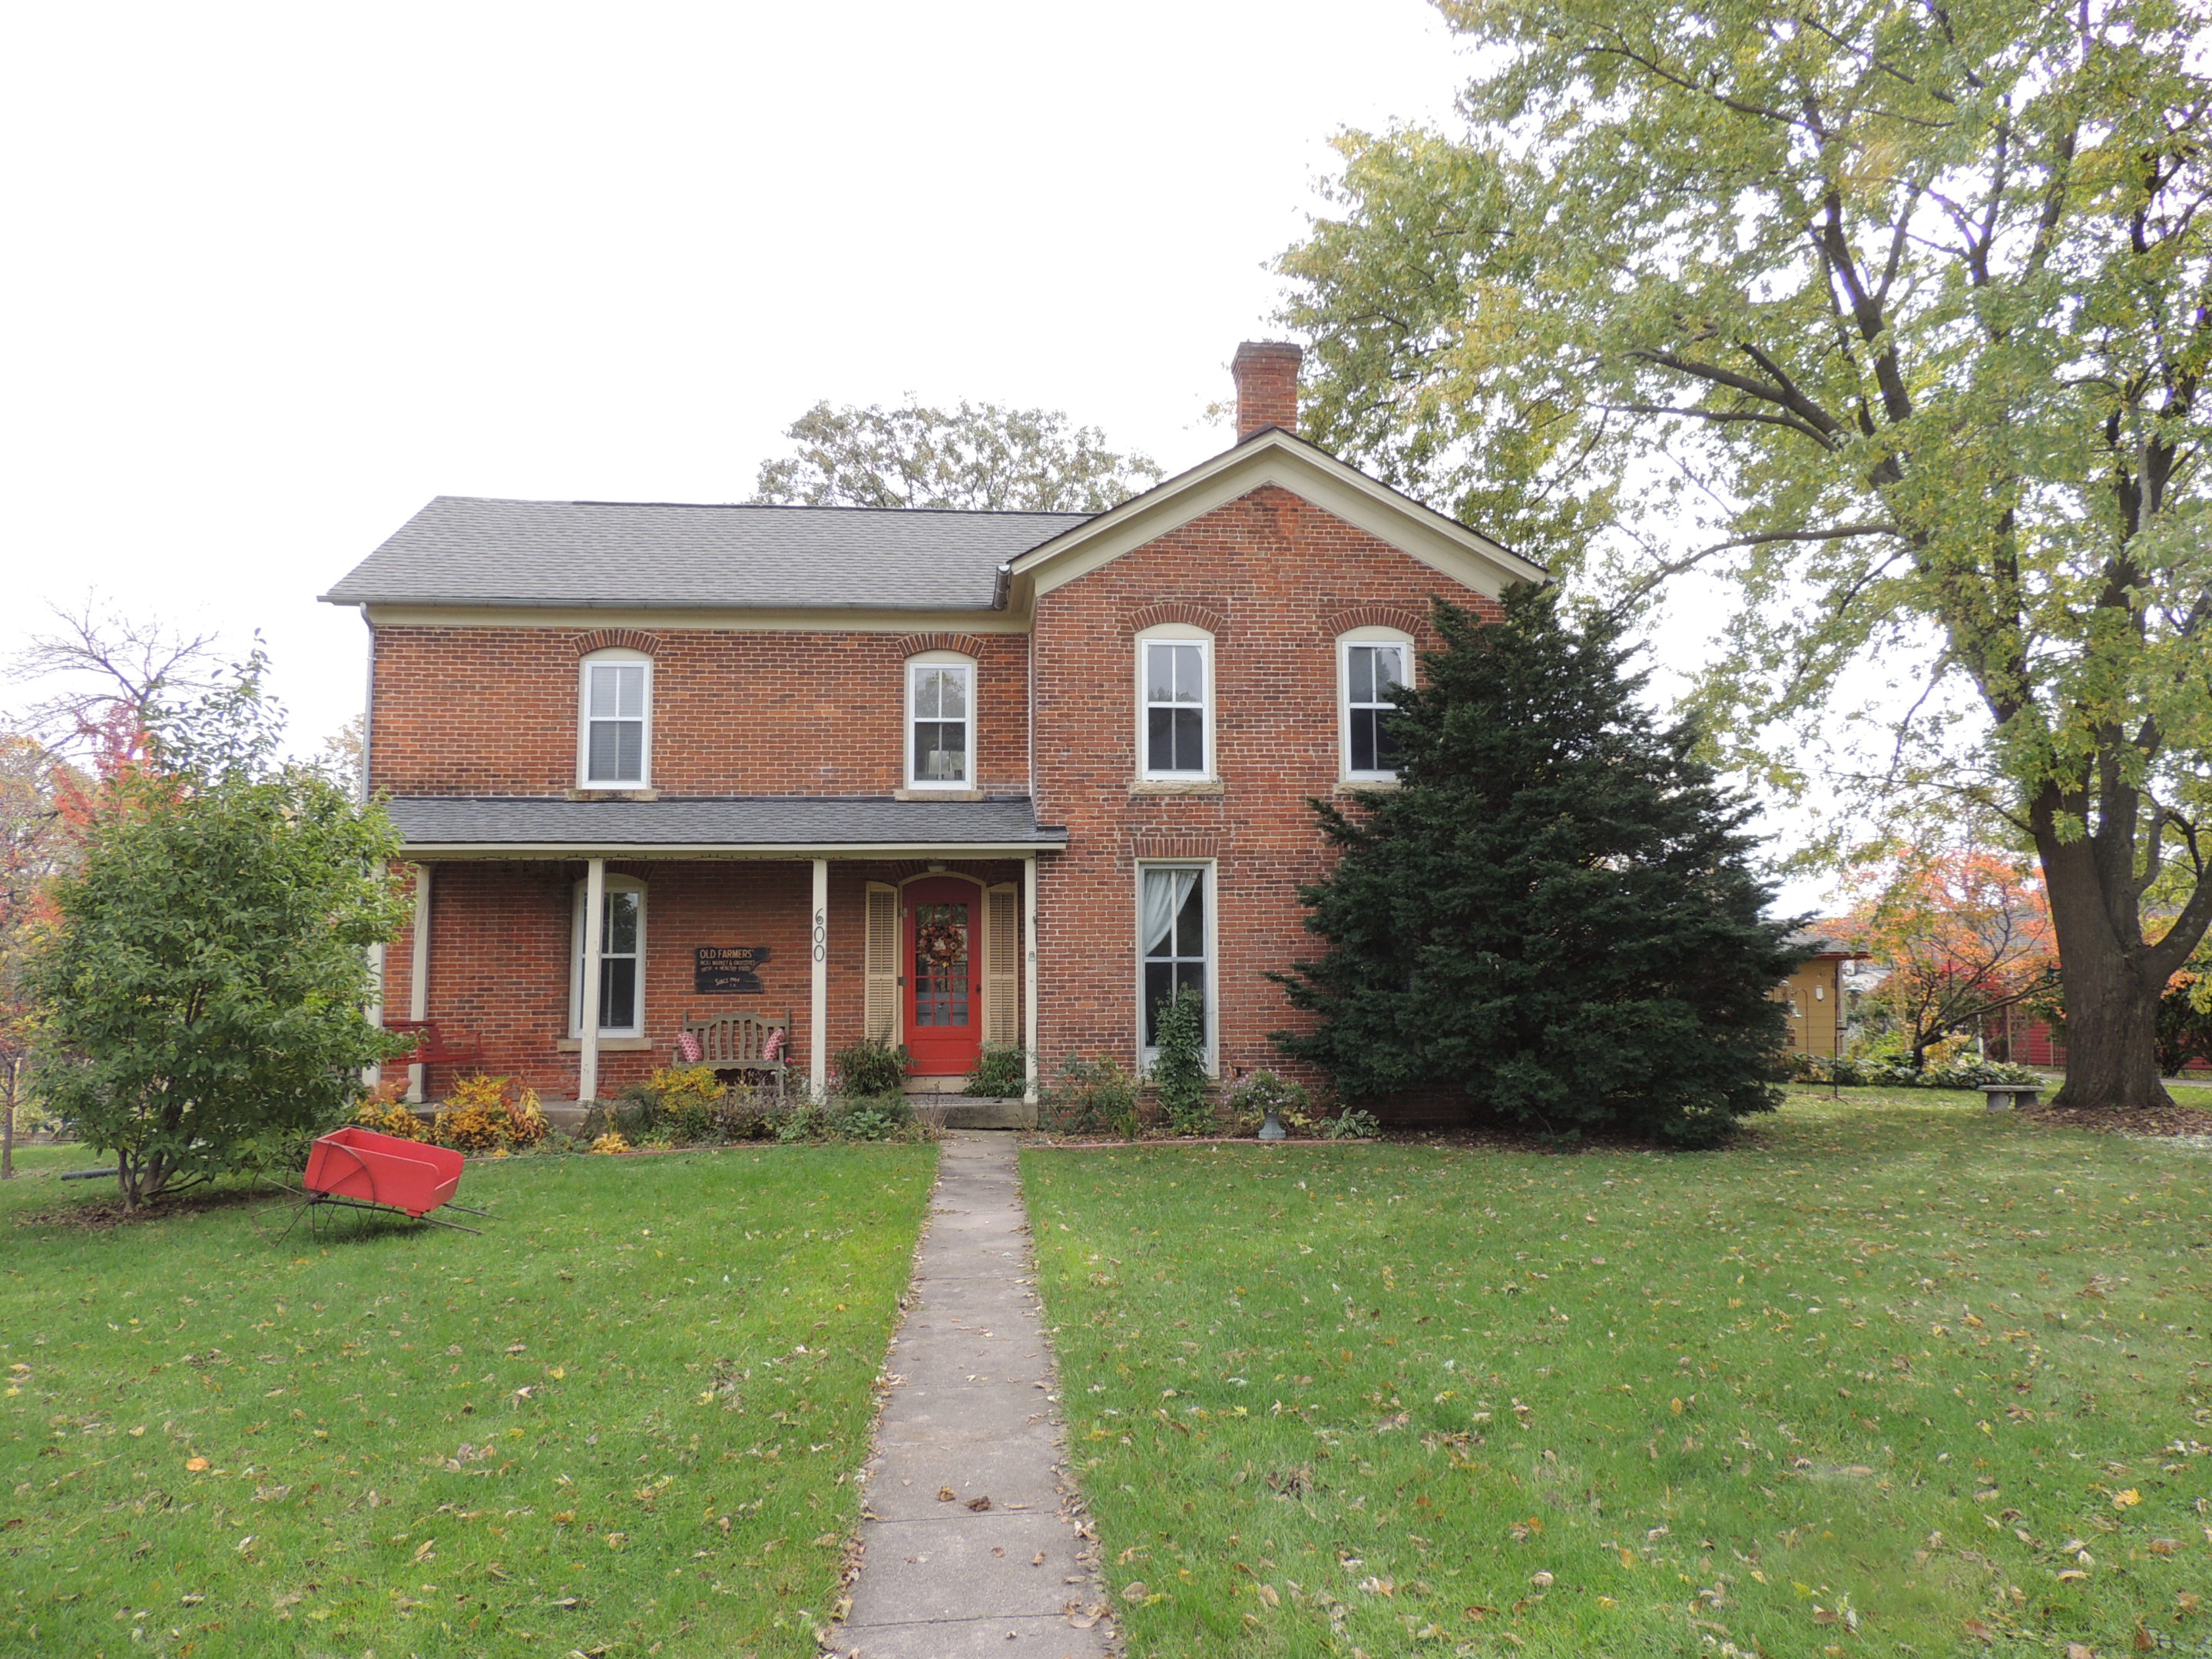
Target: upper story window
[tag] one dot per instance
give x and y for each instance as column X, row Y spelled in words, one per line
column 615, row 735
column 940, row 719
column 1372, row 662
column 1175, row 677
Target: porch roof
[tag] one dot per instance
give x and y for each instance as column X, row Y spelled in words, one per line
column 726, row 826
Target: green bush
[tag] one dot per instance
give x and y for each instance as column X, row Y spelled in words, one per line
column 1091, row 1096
column 1178, row 1074
column 1894, row 1071
column 883, row 1118
column 1001, row 1072
column 868, row 1069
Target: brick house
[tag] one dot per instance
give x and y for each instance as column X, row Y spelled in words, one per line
column 937, row 778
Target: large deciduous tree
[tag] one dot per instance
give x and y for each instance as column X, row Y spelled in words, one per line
column 1553, row 914
column 1896, row 315
column 982, row 456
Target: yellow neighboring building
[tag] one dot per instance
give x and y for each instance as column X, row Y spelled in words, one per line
column 1814, row 994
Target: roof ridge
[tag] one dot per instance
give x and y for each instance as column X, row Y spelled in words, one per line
column 780, row 506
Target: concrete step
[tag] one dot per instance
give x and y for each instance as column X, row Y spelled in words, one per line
column 974, row 1112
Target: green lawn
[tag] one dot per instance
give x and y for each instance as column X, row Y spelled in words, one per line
column 625, row 1417
column 1898, row 1377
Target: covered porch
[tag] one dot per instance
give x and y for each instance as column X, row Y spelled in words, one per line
column 911, row 922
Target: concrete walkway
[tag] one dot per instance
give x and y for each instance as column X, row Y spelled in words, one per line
column 970, row 1543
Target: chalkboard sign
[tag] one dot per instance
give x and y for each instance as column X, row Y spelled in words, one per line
column 728, row 968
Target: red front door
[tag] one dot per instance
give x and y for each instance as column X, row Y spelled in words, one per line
column 944, row 981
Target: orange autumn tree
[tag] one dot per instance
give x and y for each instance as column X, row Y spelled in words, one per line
column 1962, row 934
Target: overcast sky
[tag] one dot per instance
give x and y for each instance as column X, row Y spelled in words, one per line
column 280, row 274
column 283, row 273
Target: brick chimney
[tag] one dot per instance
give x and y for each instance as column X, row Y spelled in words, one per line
column 1266, row 374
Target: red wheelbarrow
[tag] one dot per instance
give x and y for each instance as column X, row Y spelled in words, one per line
column 358, row 1169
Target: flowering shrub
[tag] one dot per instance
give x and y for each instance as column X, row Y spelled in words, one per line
column 470, row 1128
column 391, row 1117
column 483, row 1113
column 680, row 1085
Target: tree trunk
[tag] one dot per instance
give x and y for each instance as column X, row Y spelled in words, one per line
column 2112, row 990
column 2111, row 1039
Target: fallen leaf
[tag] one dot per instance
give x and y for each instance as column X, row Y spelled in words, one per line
column 2079, row 1651
column 946, row 1494
column 2164, row 1546
column 1980, row 1632
column 196, row 1464
column 1135, row 1590
column 425, row 1549
column 2126, row 1500
column 1037, row 1560
column 979, row 1505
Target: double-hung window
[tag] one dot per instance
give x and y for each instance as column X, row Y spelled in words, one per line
column 1175, row 675
column 1372, row 664
column 622, row 960
column 615, row 747
column 940, row 717
column 1174, row 937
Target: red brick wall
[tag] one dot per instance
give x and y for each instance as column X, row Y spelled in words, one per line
column 1281, row 579
column 493, row 711
column 500, row 951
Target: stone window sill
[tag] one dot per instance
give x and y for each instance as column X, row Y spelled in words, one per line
column 1346, row 785
column 607, row 1045
column 1200, row 786
column 937, row 794
column 614, row 795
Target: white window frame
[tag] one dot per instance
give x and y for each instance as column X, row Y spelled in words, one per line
column 939, row 659
column 614, row 884
column 1344, row 644
column 1209, row 711
column 610, row 658
column 1209, row 870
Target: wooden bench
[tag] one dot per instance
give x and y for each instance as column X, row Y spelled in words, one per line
column 2005, row 1097
column 739, row 1042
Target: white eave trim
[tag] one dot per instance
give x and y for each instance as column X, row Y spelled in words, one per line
column 628, row 853
column 1276, row 457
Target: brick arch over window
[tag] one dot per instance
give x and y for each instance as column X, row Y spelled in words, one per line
column 1345, row 618
column 617, row 639
column 968, row 645
column 1179, row 611
column 1174, row 844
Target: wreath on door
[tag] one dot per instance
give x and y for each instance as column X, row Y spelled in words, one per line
column 940, row 944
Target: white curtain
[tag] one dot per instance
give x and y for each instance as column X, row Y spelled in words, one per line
column 1166, row 892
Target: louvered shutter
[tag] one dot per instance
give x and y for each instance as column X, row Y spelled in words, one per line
column 883, row 1012
column 1001, row 952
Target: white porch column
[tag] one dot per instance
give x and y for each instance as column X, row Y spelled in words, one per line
column 418, row 971
column 595, row 927
column 372, row 1075
column 1030, row 979
column 817, row 1011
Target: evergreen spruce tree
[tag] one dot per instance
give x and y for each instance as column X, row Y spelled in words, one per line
column 1554, row 912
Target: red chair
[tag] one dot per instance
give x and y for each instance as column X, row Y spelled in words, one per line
column 359, row 1169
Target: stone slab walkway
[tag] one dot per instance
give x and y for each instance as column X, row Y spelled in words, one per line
column 972, row 1544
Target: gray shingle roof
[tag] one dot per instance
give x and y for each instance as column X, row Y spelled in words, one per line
column 465, row 550
column 429, row 821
